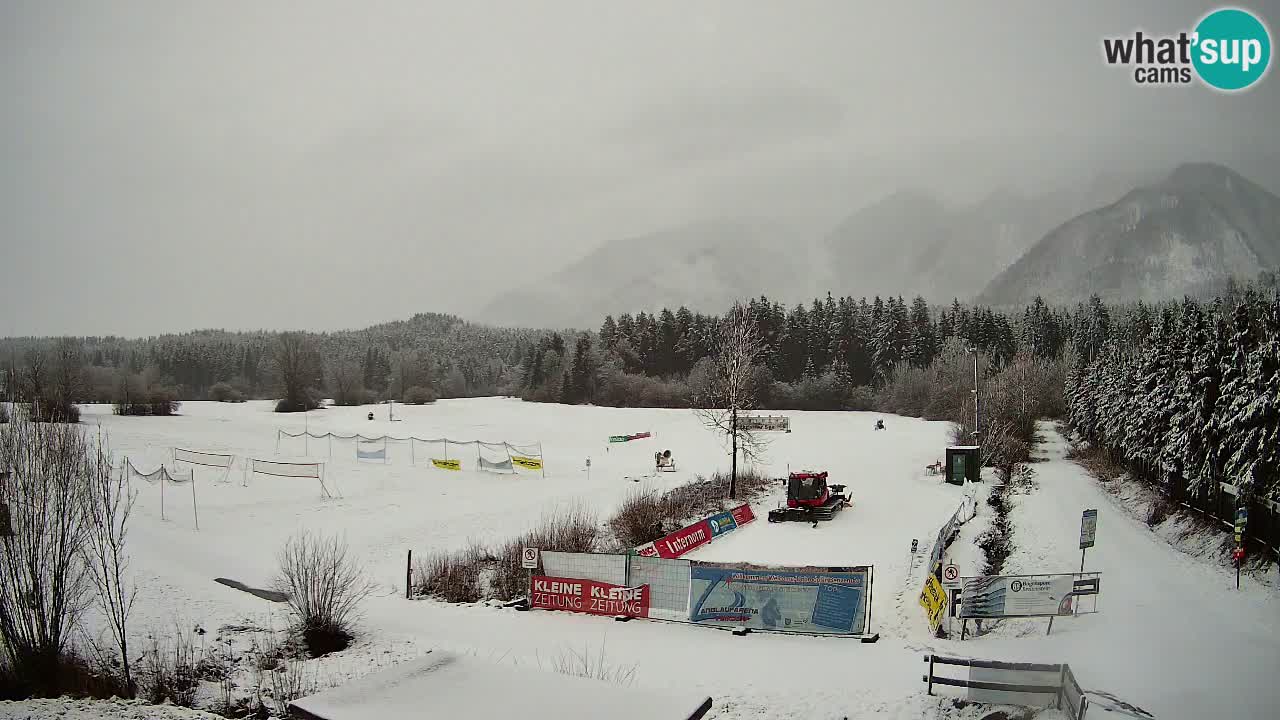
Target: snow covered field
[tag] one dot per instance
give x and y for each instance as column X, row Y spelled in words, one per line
column 1172, row 637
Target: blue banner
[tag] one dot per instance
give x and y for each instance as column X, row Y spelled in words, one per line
column 812, row 600
column 721, row 524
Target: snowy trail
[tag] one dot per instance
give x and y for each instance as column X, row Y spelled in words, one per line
column 1172, row 634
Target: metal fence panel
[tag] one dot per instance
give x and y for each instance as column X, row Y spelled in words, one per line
column 668, row 581
column 1046, row 678
column 610, row 569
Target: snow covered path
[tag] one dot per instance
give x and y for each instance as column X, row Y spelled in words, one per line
column 1172, row 634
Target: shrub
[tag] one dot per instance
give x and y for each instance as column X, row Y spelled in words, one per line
column 310, row 402
column 169, row 669
column 145, row 394
column 52, row 410
column 641, row 518
column 646, row 515
column 291, row 680
column 418, row 395
column 325, row 586
column 453, row 577
column 997, row 541
column 573, row 529
column 224, row 392
column 862, row 397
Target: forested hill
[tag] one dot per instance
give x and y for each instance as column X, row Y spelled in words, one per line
column 456, row 357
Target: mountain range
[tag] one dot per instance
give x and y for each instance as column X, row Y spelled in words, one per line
column 1183, row 233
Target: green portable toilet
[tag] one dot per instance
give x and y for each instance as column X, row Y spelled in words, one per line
column 963, row 463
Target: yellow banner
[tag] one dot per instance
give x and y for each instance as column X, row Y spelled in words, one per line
column 446, row 464
column 527, row 462
column 934, row 600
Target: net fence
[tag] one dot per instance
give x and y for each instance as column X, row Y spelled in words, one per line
column 442, row 452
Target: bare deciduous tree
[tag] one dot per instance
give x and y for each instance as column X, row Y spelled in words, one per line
column 109, row 501
column 44, row 584
column 729, row 391
column 346, row 383
column 297, row 368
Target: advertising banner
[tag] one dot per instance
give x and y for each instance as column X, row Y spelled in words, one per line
column 700, row 533
column 683, row 540
column 446, row 464
column 721, row 524
column 628, row 438
column 1001, row 596
column 807, row 600
column 589, row 596
column 742, row 515
column 496, row 466
column 527, row 462
column 934, row 601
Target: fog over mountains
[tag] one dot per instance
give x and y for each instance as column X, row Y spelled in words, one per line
column 1135, row 235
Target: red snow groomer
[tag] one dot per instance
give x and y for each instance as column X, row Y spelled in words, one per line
column 810, row 499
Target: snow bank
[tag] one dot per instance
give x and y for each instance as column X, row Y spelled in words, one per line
column 115, row 709
column 460, row 686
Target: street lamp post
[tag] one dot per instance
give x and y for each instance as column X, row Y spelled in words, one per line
column 976, row 437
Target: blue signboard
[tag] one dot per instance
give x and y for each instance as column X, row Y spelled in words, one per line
column 809, row 601
column 721, row 524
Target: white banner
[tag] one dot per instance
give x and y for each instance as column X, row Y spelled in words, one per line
column 195, row 457
column 1000, row 596
column 779, row 423
column 283, row 469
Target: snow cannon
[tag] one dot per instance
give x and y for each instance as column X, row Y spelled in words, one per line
column 664, row 462
column 810, row 499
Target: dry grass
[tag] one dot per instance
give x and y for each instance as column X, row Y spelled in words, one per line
column 453, row 577
column 596, row 667
column 169, row 669
column 647, row 515
column 476, row 572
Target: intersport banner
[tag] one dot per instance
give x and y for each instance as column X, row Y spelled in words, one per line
column 589, row 596
column 698, row 534
column 806, row 600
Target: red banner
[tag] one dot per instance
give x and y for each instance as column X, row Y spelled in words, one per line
column 683, row 540
column 742, row 515
column 589, row 596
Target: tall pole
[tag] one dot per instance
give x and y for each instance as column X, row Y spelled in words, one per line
column 733, row 468
column 976, row 435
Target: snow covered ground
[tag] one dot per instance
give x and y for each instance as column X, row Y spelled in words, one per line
column 1172, row 634
column 1168, row 626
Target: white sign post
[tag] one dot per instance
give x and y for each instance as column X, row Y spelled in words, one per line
column 529, row 561
column 1088, row 532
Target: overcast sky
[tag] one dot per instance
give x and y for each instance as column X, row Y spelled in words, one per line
column 170, row 166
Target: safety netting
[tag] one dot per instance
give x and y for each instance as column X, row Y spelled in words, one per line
column 441, row 453
column 279, row 468
column 162, row 476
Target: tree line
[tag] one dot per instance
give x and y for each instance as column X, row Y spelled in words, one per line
column 827, row 355
column 1185, row 390
column 416, row 360
column 1190, row 397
